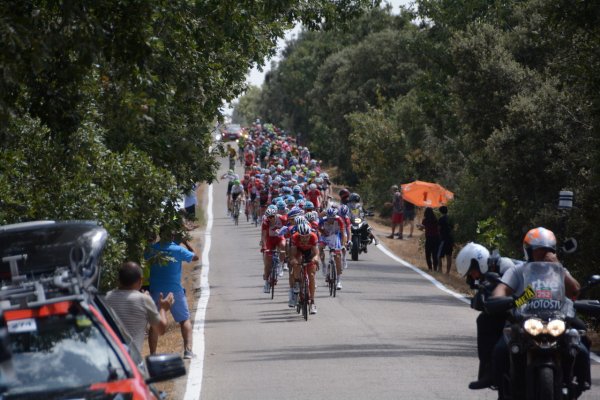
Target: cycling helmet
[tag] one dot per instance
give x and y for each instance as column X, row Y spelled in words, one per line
column 308, row 205
column 300, row 220
column 290, row 201
column 354, row 197
column 473, row 255
column 344, row 210
column 293, row 168
column 230, row 172
column 312, row 186
column 286, row 190
column 236, row 182
column 538, row 238
column 280, row 205
column 318, row 180
column 297, row 189
column 301, row 203
column 332, row 212
column 270, row 211
column 311, row 216
column 304, row 228
column 294, row 212
column 344, row 194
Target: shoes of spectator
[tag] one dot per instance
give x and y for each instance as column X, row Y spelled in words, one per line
column 390, row 236
column 188, row 355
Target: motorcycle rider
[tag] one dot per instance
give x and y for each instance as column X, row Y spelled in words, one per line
column 483, row 271
column 357, row 210
column 539, row 245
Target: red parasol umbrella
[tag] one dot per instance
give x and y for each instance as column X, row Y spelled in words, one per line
column 426, row 194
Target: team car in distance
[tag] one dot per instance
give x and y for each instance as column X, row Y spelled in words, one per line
column 231, row 132
column 57, row 339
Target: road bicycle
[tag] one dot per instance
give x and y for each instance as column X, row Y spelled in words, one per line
column 236, row 210
column 275, row 267
column 332, row 273
column 255, row 209
column 303, row 297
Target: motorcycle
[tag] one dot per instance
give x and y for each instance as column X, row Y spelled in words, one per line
column 361, row 232
column 543, row 345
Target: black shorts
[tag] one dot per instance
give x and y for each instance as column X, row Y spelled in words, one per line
column 234, row 196
column 445, row 248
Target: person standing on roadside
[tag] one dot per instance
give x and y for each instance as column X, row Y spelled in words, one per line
column 136, row 309
column 432, row 238
column 166, row 278
column 409, row 216
column 397, row 212
column 446, row 240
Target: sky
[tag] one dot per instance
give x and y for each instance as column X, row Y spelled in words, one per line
column 256, row 77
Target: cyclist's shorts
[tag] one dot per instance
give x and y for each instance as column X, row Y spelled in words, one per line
column 234, row 196
column 274, row 241
column 252, row 196
column 332, row 241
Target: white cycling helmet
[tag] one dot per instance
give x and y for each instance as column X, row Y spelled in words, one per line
column 470, row 256
column 304, row 228
column 270, row 211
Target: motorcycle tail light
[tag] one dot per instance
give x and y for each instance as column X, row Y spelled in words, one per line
column 533, row 326
column 556, row 327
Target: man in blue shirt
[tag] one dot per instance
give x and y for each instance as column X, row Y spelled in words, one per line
column 165, row 277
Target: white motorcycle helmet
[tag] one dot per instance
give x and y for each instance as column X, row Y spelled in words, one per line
column 470, row 256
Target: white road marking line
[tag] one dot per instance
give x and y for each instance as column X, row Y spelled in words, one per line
column 193, row 388
column 425, row 275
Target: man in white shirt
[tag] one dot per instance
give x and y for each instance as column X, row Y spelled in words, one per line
column 136, row 309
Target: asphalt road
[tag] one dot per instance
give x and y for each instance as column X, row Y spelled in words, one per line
column 390, row 333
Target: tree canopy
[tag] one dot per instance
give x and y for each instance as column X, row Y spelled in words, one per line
column 107, row 106
column 496, row 100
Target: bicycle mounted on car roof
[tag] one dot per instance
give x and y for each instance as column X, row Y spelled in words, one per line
column 49, row 311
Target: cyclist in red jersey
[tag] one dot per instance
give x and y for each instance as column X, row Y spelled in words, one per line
column 271, row 240
column 314, row 195
column 304, row 248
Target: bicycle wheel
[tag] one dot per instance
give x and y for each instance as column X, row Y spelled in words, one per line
column 274, row 267
column 306, row 298
column 332, row 279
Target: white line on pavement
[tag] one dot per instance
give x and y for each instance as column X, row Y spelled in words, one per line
column 194, row 381
column 430, row 278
